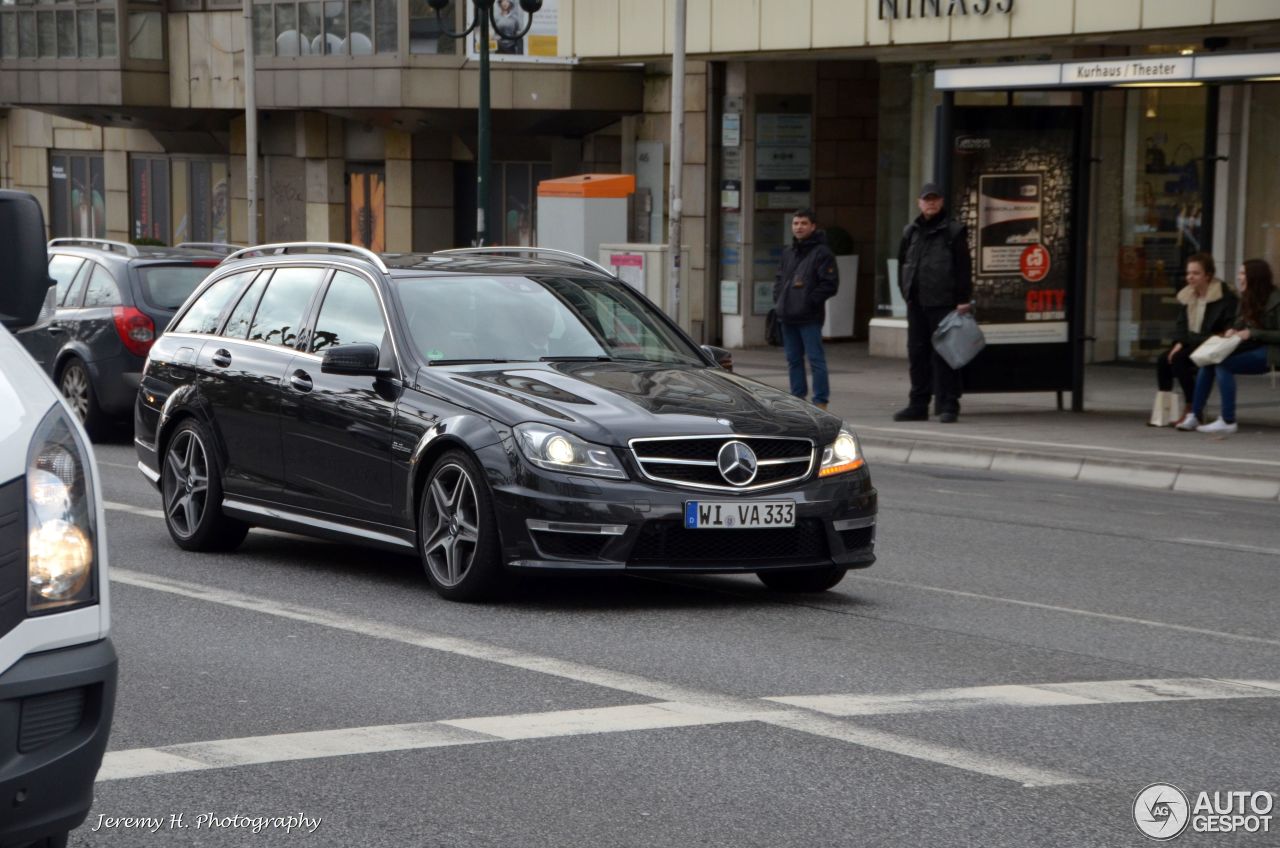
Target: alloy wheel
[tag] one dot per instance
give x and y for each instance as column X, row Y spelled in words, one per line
column 451, row 525
column 186, row 483
column 75, row 388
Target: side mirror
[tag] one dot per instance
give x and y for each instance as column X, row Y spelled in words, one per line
column 353, row 360
column 24, row 261
column 722, row 357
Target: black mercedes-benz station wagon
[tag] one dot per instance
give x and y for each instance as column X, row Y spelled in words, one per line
column 492, row 409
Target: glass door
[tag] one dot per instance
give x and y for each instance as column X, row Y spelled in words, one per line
column 1162, row 214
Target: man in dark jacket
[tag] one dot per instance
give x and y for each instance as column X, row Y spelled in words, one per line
column 936, row 277
column 806, row 279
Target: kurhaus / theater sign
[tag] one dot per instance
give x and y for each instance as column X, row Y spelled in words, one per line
column 903, row 9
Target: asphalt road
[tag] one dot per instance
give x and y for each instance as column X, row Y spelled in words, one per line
column 1025, row 657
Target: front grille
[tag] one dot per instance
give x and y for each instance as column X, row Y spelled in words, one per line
column 13, row 554
column 577, row 546
column 46, row 718
column 691, row 461
column 670, row 543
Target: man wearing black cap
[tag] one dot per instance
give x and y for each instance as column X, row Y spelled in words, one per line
column 936, row 277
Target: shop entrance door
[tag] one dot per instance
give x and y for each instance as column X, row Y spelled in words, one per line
column 1162, row 214
column 366, row 207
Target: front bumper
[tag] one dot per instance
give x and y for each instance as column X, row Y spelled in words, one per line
column 571, row 523
column 55, row 717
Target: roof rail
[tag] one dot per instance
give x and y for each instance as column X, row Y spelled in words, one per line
column 103, row 244
column 563, row 255
column 310, row 247
column 213, row 246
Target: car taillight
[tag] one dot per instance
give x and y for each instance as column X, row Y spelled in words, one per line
column 136, row 330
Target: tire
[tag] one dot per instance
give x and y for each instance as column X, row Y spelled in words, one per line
column 191, row 493
column 76, row 386
column 803, row 579
column 457, row 532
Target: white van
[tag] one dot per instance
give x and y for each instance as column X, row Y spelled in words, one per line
column 57, row 664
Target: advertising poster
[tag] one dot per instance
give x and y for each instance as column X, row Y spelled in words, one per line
column 1012, row 185
column 541, row 42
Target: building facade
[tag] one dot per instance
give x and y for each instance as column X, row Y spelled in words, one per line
column 125, row 117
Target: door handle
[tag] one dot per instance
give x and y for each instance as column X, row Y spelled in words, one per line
column 54, row 328
column 221, row 357
column 301, row 381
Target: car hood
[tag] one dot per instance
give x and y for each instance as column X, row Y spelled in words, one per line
column 613, row 402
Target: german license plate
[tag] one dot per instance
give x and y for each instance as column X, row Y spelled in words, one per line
column 734, row 515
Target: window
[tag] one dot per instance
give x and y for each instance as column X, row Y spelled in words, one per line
column 178, row 199
column 425, row 33
column 76, row 293
column 203, row 315
column 146, row 35
column 242, row 316
column 58, row 29
column 63, row 270
column 324, row 27
column 102, row 290
column 77, row 195
column 149, row 199
column 169, row 286
column 350, row 314
column 284, row 304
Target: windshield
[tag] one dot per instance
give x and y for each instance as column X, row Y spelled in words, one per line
column 515, row 319
column 167, row 286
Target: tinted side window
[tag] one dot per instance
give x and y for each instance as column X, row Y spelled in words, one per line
column 203, row 315
column 350, row 314
column 283, row 305
column 242, row 316
column 76, row 292
column 102, row 290
column 63, row 270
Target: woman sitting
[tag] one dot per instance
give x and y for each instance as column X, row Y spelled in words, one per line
column 1257, row 325
column 1208, row 308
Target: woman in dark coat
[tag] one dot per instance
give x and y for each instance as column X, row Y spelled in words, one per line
column 1208, row 308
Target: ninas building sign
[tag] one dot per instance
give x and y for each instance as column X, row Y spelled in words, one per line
column 905, row 9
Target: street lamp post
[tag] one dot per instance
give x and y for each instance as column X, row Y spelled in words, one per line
column 483, row 19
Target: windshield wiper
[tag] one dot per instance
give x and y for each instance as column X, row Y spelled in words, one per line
column 575, row 359
column 463, row 361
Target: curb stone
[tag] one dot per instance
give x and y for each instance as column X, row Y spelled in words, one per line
column 1084, row 469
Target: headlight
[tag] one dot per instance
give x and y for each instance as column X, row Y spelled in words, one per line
column 556, row 450
column 61, row 531
column 844, row 454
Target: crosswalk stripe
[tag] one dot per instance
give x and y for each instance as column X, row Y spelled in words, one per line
column 259, row 750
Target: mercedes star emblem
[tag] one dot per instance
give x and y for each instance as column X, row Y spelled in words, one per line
column 738, row 463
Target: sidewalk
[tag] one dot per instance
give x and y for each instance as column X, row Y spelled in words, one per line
column 1026, row 434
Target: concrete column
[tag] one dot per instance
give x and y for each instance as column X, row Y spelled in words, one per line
column 399, row 191
column 432, row 191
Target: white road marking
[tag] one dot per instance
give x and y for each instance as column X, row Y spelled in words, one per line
column 157, row 513
column 136, row 510
column 287, row 747
column 1123, row 619
column 724, row 707
column 1045, row 695
column 1209, row 543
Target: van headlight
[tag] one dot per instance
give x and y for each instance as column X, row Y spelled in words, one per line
column 61, row 531
column 556, row 450
column 842, row 455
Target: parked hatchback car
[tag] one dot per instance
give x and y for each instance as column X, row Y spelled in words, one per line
column 492, row 413
column 111, row 302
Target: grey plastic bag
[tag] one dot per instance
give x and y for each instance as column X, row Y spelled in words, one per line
column 958, row 339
